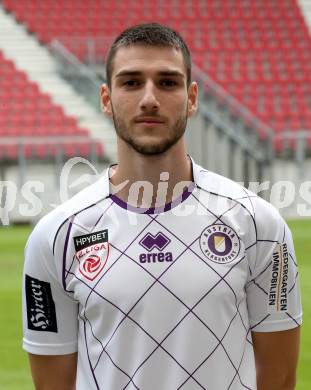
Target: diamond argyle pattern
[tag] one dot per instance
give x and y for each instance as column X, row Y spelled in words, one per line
column 139, row 300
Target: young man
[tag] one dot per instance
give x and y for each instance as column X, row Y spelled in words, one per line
column 189, row 284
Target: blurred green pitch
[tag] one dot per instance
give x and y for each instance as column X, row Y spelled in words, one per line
column 14, row 371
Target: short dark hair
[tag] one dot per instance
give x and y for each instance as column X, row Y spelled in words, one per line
column 149, row 34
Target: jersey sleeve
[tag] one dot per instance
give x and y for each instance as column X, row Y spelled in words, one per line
column 50, row 318
column 273, row 292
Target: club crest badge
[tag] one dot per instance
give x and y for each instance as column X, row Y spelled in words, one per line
column 220, row 243
column 92, row 251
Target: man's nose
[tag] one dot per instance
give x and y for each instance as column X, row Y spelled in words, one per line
column 149, row 99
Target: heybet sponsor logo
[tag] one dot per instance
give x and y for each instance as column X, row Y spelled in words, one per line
column 92, row 252
column 86, row 240
column 41, row 315
column 151, row 242
column 220, row 243
column 279, row 280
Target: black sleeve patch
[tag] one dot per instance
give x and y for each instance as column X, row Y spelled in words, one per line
column 41, row 313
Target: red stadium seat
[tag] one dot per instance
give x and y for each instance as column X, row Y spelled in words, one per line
column 28, row 113
column 261, row 44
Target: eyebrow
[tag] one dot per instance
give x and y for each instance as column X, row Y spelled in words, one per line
column 172, row 73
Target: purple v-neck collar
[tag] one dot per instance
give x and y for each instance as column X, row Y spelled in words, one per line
column 159, row 209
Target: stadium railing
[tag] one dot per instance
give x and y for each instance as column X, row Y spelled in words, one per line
column 83, row 79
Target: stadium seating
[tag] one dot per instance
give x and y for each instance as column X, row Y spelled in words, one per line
column 259, row 51
column 28, row 114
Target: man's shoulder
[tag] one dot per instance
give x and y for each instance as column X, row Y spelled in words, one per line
column 48, row 225
column 224, row 187
column 261, row 210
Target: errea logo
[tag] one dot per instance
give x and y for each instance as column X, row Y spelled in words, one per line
column 151, row 242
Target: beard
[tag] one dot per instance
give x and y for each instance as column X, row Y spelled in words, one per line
column 174, row 133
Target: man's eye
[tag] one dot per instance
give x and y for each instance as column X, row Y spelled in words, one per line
column 131, row 83
column 168, row 83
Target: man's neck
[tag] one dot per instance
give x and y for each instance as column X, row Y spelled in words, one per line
column 149, row 181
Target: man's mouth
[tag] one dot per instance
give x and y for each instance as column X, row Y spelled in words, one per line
column 149, row 120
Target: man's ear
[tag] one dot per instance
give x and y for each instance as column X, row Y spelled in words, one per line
column 105, row 100
column 192, row 99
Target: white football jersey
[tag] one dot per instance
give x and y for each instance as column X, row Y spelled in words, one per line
column 163, row 298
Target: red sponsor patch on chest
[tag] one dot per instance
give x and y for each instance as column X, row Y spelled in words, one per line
column 92, row 260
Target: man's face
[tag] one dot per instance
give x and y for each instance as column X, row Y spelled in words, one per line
column 149, row 100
